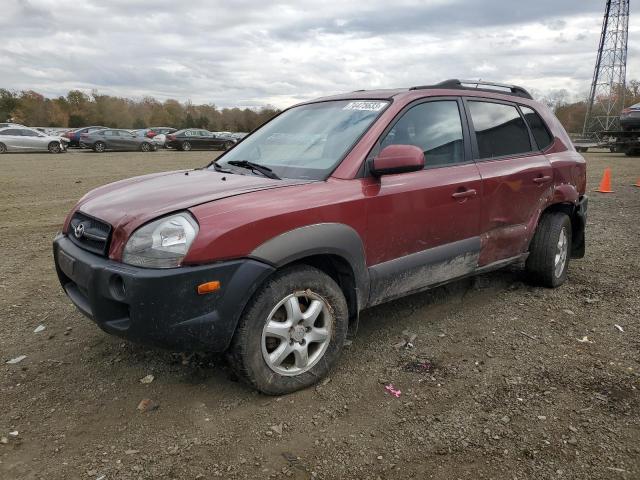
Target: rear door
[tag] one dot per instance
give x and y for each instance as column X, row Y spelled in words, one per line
column 423, row 227
column 516, row 177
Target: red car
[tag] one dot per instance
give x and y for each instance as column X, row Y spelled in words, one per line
column 335, row 205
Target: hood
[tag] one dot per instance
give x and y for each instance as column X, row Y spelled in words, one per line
column 140, row 199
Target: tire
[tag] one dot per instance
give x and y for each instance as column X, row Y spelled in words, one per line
column 550, row 249
column 185, row 146
column 54, row 147
column 227, row 145
column 3, row 148
column 253, row 343
column 145, row 147
column 632, row 152
column 99, row 147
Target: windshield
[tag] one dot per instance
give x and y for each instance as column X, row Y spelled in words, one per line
column 308, row 141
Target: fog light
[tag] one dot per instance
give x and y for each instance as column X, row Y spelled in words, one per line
column 118, row 291
column 208, row 287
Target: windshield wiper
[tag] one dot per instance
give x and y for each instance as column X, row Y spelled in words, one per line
column 218, row 168
column 256, row 167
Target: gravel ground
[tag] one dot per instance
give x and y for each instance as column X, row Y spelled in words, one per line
column 503, row 380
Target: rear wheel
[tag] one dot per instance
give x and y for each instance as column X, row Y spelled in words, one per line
column 3, row 148
column 548, row 260
column 99, row 147
column 186, row 146
column 228, row 145
column 145, row 147
column 291, row 332
column 54, row 147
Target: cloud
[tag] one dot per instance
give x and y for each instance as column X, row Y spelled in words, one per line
column 249, row 52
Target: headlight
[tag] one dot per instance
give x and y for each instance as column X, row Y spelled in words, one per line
column 162, row 243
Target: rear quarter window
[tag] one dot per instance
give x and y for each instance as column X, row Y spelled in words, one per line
column 538, row 128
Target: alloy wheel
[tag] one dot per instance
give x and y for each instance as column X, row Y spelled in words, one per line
column 297, row 333
column 562, row 251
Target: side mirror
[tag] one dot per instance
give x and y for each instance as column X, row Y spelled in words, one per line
column 398, row 159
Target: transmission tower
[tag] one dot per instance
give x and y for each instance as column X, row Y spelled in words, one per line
column 606, row 98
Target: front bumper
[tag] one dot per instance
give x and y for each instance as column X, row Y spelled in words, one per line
column 158, row 306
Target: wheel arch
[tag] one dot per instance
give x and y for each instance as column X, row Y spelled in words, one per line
column 334, row 248
column 578, row 224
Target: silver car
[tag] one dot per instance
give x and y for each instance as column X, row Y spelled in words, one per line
column 24, row 139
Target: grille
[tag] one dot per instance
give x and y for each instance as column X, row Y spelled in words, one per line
column 90, row 233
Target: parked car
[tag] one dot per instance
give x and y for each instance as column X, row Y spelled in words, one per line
column 198, row 139
column 630, row 118
column 157, row 134
column 24, row 139
column 153, row 131
column 271, row 252
column 74, row 135
column 116, row 139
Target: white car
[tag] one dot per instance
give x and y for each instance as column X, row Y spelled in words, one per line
column 24, row 139
column 160, row 140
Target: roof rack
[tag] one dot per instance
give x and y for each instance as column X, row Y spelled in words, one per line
column 479, row 85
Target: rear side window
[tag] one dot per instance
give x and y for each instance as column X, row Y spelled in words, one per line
column 538, row 128
column 435, row 128
column 500, row 130
column 11, row 131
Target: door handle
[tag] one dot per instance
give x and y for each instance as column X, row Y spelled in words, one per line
column 464, row 194
column 542, row 179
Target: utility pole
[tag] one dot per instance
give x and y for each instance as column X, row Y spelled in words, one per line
column 606, row 98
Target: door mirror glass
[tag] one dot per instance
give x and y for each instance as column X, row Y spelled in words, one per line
column 398, row 159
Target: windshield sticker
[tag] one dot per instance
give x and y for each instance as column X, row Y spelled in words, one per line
column 366, row 106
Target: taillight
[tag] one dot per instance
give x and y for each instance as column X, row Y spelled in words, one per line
column 171, row 137
column 151, row 134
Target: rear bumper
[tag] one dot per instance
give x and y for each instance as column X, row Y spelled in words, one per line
column 158, row 306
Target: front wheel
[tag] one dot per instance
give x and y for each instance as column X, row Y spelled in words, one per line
column 292, row 331
column 99, row 147
column 548, row 260
column 186, row 146
column 54, row 147
column 3, row 148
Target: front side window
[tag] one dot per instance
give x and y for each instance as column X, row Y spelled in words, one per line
column 435, row 127
column 500, row 130
column 308, row 141
column 539, row 130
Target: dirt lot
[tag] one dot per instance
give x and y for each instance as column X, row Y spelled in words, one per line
column 504, row 381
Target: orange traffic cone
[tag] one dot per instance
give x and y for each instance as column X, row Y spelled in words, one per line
column 605, row 183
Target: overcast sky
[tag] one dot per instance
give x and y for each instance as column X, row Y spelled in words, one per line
column 256, row 52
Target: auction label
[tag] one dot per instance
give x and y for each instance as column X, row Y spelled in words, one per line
column 366, row 106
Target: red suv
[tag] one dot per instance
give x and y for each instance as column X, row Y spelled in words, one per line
column 270, row 252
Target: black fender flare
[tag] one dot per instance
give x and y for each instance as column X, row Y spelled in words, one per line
column 319, row 239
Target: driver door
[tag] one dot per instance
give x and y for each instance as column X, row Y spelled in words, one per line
column 423, row 228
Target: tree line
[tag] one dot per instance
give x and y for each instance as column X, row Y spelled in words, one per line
column 77, row 109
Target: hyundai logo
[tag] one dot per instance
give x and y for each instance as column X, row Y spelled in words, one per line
column 79, row 230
